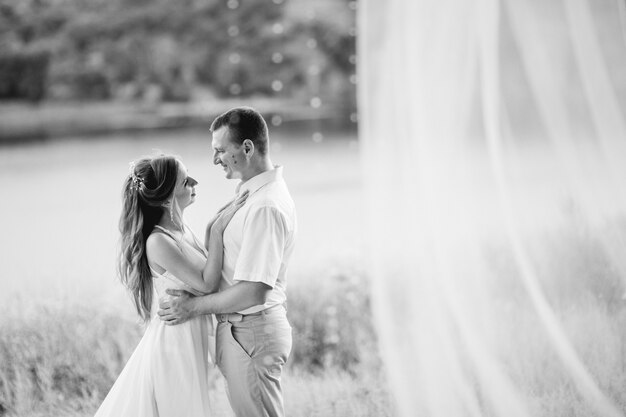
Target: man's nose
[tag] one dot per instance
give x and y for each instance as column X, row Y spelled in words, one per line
column 216, row 159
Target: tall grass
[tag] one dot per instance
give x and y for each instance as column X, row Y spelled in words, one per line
column 60, row 360
column 587, row 292
column 61, row 357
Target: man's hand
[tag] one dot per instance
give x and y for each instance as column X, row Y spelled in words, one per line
column 178, row 309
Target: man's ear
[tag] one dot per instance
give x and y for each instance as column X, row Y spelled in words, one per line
column 248, row 148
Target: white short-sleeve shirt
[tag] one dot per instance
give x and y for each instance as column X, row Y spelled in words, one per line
column 260, row 237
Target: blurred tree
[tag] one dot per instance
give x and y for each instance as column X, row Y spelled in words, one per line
column 23, row 75
column 128, row 49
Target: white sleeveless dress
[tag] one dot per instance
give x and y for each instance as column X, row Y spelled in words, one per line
column 167, row 374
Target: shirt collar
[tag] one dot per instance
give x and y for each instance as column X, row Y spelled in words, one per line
column 258, row 181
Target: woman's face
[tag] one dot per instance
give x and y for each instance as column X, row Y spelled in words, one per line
column 185, row 191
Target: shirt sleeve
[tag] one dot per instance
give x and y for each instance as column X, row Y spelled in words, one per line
column 262, row 247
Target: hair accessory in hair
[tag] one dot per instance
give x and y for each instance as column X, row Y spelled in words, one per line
column 136, row 181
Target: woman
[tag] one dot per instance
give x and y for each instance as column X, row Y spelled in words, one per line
column 167, row 373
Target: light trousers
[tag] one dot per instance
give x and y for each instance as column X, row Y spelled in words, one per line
column 251, row 353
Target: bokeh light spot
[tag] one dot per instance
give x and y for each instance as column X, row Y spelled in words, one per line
column 317, row 137
column 232, row 4
column 276, row 120
column 277, row 57
column 316, row 102
column 311, row 43
column 234, row 89
column 278, row 28
column 233, row 30
column 314, row 69
column 277, row 85
column 234, row 58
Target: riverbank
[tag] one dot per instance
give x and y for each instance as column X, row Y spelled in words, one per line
column 23, row 122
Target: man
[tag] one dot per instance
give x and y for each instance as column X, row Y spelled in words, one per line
column 253, row 334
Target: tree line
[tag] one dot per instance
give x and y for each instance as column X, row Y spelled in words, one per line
column 174, row 50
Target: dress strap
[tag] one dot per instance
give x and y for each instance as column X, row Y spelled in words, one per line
column 170, row 234
column 164, row 230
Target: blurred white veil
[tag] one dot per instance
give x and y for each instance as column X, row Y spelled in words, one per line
column 494, row 150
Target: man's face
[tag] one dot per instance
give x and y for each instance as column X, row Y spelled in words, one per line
column 228, row 154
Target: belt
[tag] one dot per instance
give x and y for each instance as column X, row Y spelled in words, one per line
column 235, row 317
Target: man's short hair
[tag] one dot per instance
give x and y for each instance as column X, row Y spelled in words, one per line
column 244, row 123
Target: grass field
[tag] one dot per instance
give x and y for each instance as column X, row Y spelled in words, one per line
column 67, row 327
column 60, row 360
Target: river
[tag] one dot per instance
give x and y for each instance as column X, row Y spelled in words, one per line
column 62, row 202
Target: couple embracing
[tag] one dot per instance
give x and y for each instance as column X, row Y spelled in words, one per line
column 180, row 284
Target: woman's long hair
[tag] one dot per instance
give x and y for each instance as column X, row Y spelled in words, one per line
column 147, row 189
